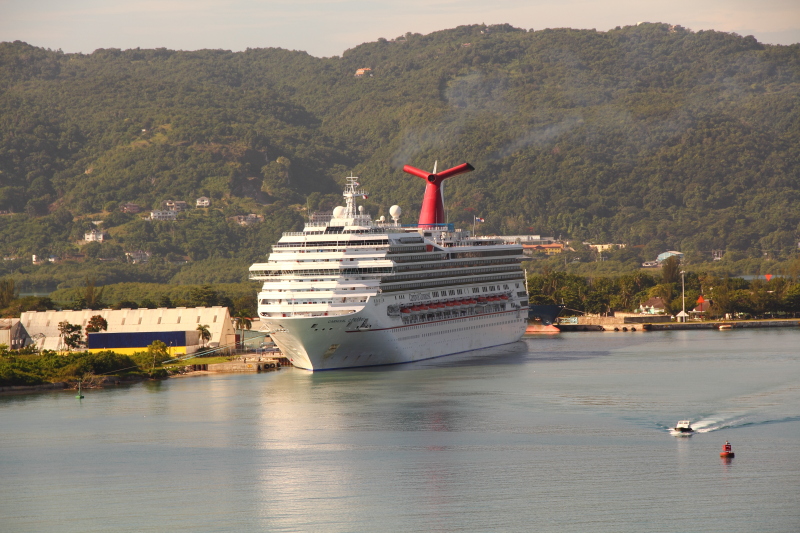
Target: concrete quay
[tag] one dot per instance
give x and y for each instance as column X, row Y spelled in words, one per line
column 249, row 363
column 735, row 324
column 663, row 323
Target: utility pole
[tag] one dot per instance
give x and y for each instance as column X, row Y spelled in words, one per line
column 683, row 295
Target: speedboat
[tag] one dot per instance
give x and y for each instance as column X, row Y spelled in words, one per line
column 683, row 427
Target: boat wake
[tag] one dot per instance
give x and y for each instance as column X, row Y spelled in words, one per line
column 718, row 422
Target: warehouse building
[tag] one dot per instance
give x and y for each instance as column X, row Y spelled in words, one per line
column 12, row 334
column 131, row 330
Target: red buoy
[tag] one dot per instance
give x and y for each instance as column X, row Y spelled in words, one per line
column 727, row 451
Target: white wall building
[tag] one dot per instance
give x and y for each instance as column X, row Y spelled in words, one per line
column 45, row 323
column 95, row 235
column 163, row 214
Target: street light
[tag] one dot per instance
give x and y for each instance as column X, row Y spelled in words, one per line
column 683, row 295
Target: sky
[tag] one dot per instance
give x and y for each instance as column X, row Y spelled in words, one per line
column 326, row 28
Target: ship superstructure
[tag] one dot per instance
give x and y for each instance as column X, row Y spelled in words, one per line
column 349, row 291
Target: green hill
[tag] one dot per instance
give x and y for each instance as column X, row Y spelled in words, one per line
column 649, row 135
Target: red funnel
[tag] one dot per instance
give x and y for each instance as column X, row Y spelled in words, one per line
column 432, row 206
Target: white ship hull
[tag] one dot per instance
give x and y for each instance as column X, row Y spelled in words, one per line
column 339, row 342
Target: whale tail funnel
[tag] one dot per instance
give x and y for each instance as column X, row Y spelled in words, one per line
column 432, row 211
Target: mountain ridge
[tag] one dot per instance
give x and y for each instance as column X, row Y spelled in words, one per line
column 650, row 135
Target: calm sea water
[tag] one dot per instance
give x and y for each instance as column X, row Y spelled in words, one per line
column 557, row 433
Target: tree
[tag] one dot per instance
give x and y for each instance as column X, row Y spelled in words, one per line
column 205, row 334
column 204, row 296
column 241, row 321
column 91, row 297
column 670, row 270
column 165, row 301
column 70, row 334
column 95, row 324
column 8, row 292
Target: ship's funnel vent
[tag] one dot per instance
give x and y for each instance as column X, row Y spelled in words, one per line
column 432, row 205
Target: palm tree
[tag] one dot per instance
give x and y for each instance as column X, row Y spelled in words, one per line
column 205, row 334
column 241, row 321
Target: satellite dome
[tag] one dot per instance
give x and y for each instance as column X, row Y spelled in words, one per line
column 395, row 211
column 338, row 211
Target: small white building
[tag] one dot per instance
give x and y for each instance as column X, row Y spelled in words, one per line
column 248, row 220
column 604, row 247
column 163, row 214
column 95, row 235
column 203, row 201
column 176, row 205
column 137, row 257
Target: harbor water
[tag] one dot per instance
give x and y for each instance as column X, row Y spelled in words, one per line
column 557, row 433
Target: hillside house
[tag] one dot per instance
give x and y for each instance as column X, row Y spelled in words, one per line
column 549, row 249
column 604, row 247
column 163, row 214
column 360, row 73
column 176, row 205
column 248, row 220
column 203, row 201
column 137, row 257
column 95, row 235
column 130, row 208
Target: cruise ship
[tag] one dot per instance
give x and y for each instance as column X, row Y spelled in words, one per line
column 349, row 291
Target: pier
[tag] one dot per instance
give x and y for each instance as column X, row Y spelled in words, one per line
column 618, row 324
column 734, row 324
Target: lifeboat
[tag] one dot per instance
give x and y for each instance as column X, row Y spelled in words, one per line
column 405, row 310
column 727, row 451
column 504, row 297
column 423, row 308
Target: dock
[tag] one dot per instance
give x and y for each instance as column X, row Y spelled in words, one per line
column 664, row 324
column 735, row 324
column 250, row 363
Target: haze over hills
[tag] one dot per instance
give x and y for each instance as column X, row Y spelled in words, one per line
column 648, row 135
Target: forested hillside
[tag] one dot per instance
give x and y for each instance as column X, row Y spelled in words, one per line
column 646, row 135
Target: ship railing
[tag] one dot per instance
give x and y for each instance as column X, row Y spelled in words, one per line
column 443, row 227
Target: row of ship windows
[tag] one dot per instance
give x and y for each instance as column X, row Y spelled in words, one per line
column 303, row 244
column 472, row 271
column 439, row 282
column 320, row 272
column 455, row 264
column 365, row 270
column 453, row 330
column 466, row 290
